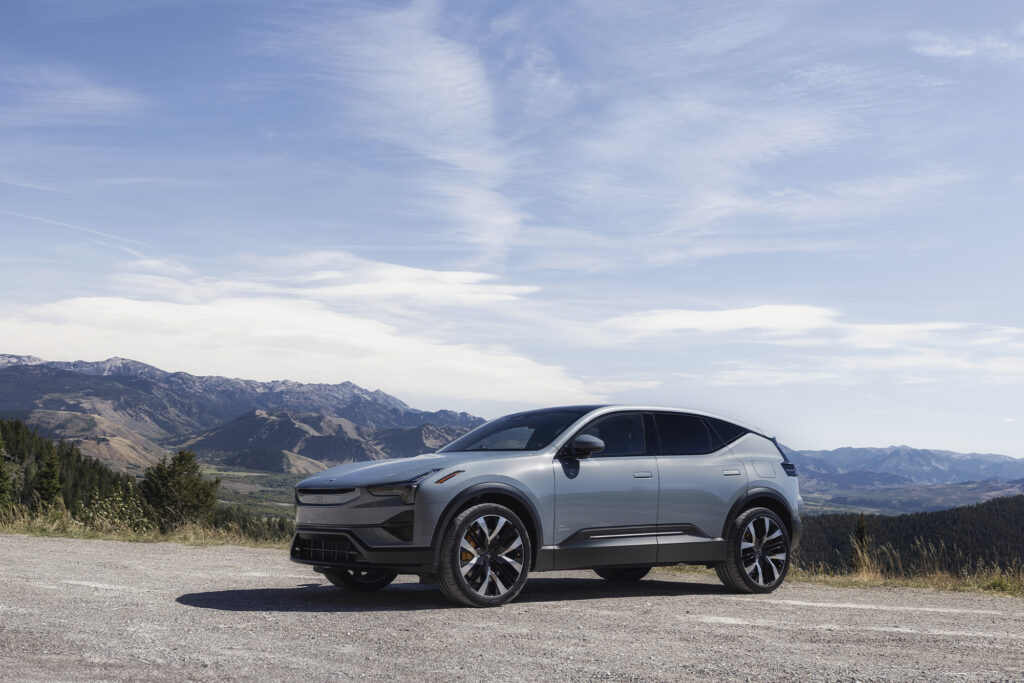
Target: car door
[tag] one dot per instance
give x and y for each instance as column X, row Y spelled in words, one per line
column 700, row 481
column 606, row 506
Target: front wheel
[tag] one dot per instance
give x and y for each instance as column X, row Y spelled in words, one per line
column 623, row 573
column 485, row 556
column 361, row 579
column 756, row 552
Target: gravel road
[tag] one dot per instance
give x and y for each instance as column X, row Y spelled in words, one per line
column 86, row 610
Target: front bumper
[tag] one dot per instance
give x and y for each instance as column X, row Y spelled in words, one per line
column 343, row 548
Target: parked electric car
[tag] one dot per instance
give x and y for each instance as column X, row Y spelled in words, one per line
column 617, row 489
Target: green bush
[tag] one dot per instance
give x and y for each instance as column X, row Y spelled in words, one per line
column 120, row 512
column 177, row 493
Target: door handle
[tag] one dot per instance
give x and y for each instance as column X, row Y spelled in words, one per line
column 642, row 475
column 731, row 473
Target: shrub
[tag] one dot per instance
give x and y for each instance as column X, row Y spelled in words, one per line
column 122, row 512
column 177, row 493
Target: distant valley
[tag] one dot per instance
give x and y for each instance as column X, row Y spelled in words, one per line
column 263, row 436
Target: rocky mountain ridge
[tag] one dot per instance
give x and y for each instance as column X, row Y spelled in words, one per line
column 140, row 411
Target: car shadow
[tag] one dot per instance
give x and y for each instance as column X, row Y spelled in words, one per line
column 315, row 597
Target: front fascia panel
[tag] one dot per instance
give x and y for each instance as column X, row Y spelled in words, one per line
column 363, row 510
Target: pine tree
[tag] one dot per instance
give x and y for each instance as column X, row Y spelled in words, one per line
column 6, row 485
column 861, row 536
column 48, row 486
column 176, row 492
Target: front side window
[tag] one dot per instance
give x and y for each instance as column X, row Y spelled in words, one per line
column 622, row 433
column 530, row 431
column 682, row 434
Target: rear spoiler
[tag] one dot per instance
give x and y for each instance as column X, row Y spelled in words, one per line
column 789, row 467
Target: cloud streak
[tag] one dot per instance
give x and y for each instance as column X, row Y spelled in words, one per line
column 400, row 82
column 991, row 47
column 48, row 95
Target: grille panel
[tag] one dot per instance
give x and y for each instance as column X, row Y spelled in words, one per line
column 327, row 549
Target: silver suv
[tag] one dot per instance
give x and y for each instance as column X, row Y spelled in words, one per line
column 616, row 489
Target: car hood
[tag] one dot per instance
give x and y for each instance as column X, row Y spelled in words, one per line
column 358, row 474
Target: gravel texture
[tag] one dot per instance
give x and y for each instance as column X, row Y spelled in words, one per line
column 87, row 610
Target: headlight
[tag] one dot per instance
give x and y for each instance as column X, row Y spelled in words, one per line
column 406, row 490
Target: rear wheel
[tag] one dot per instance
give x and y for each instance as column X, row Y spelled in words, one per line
column 485, row 556
column 756, row 552
column 623, row 573
column 360, row 579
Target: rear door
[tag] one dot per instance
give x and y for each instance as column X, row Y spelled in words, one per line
column 700, row 480
column 606, row 506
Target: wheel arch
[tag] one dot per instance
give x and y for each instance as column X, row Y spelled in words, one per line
column 774, row 501
column 501, row 494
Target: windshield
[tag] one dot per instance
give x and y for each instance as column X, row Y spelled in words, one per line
column 529, row 431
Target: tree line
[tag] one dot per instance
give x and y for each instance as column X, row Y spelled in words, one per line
column 989, row 533
column 38, row 474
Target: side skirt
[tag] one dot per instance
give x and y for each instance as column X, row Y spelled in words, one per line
column 626, row 546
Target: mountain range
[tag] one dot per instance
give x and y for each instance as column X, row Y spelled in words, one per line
column 900, row 479
column 129, row 414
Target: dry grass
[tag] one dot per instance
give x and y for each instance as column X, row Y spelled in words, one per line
column 58, row 522
column 994, row 581
column 923, row 565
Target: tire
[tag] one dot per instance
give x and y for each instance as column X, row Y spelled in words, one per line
column 623, row 573
column 363, row 580
column 485, row 556
column 757, row 552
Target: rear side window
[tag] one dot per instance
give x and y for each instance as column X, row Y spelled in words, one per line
column 682, row 434
column 723, row 432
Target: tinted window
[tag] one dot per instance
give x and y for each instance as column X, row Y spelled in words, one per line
column 724, row 432
column 622, row 433
column 528, row 431
column 682, row 434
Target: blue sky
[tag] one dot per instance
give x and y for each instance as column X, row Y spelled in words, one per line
column 801, row 214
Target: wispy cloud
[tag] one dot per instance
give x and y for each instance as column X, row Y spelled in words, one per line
column 833, row 348
column 766, row 319
column 71, row 226
column 47, row 95
column 399, row 81
column 992, row 47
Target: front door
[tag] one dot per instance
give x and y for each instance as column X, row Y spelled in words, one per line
column 606, row 506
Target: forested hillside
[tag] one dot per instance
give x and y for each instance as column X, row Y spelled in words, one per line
column 990, row 532
column 38, row 471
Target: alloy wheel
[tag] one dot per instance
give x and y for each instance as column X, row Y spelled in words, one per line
column 763, row 550
column 491, row 555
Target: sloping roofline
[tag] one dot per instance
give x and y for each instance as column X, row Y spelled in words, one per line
column 617, row 407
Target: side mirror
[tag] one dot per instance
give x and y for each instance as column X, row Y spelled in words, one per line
column 584, row 445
